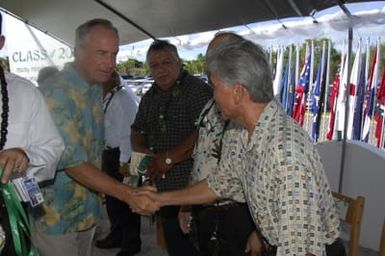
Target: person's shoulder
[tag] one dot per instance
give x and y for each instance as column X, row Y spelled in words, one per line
column 196, row 85
column 14, row 80
column 125, row 93
column 195, row 81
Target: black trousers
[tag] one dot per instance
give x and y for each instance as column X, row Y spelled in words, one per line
column 221, row 230
column 125, row 225
column 177, row 243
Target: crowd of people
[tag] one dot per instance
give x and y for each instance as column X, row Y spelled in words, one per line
column 229, row 172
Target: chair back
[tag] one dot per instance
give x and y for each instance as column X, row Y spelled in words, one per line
column 353, row 217
column 382, row 241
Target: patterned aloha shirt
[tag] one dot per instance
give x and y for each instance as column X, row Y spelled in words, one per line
column 77, row 110
column 284, row 183
column 207, row 148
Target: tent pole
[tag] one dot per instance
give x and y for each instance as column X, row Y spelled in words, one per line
column 347, row 93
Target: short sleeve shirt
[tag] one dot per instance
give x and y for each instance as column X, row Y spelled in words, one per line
column 77, row 110
column 284, row 184
column 165, row 118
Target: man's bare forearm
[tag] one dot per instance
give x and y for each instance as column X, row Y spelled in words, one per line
column 183, row 150
column 93, row 178
column 198, row 193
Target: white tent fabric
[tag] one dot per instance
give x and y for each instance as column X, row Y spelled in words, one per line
column 159, row 18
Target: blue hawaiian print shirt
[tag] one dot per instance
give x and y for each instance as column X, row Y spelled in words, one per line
column 77, row 110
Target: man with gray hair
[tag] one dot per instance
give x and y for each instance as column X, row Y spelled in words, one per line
column 282, row 178
column 65, row 224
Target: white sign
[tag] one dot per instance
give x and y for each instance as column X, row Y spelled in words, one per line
column 29, row 49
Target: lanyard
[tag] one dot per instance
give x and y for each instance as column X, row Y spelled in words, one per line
column 17, row 219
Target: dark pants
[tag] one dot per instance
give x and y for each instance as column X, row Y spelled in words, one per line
column 177, row 243
column 221, row 230
column 125, row 225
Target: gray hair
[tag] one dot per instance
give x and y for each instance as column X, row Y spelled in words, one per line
column 159, row 45
column 223, row 36
column 243, row 62
column 83, row 30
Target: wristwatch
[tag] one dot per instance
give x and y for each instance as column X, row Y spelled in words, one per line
column 168, row 160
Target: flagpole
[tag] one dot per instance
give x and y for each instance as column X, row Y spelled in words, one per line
column 327, row 83
column 288, row 78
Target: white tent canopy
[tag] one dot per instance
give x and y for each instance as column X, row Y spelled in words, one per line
column 156, row 18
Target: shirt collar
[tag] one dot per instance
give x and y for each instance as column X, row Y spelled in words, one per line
column 262, row 125
column 73, row 75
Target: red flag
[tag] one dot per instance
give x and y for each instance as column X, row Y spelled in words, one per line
column 333, row 104
column 379, row 116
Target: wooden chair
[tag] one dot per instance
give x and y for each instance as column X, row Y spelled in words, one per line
column 382, row 241
column 352, row 217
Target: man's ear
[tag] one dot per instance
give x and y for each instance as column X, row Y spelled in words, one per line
column 239, row 93
column 2, row 41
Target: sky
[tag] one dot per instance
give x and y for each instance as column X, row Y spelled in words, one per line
column 332, row 23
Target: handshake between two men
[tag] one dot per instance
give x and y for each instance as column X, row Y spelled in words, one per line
column 146, row 200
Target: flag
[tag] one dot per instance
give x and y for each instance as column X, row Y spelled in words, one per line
column 379, row 116
column 354, row 80
column 278, row 71
column 370, row 96
column 315, row 99
column 333, row 99
column 333, row 106
column 290, row 93
column 357, row 119
column 301, row 92
column 284, row 87
column 341, row 98
column 360, row 96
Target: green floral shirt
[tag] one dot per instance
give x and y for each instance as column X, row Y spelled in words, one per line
column 76, row 109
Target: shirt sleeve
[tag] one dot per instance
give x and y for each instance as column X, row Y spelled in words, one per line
column 301, row 228
column 200, row 93
column 66, row 107
column 128, row 108
column 225, row 180
column 45, row 145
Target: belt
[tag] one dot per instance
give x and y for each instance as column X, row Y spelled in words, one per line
column 108, row 148
column 219, row 206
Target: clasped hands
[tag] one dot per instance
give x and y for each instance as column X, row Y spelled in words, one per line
column 145, row 200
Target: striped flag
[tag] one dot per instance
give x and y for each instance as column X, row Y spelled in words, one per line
column 379, row 116
column 370, row 97
column 354, row 80
column 301, row 92
column 333, row 101
column 315, row 100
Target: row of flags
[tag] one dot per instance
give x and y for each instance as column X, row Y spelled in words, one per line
column 310, row 98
